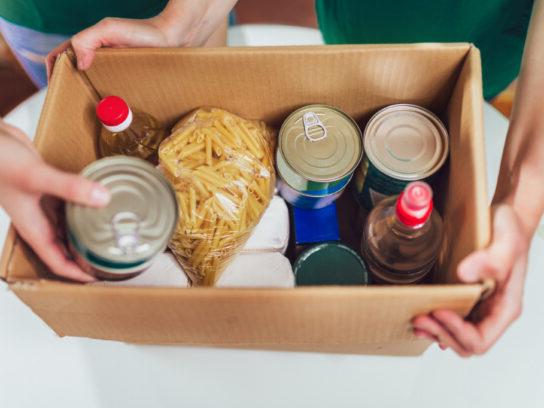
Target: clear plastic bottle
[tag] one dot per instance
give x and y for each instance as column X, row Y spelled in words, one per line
column 125, row 132
column 402, row 236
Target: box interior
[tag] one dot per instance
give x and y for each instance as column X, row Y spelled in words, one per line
column 268, row 83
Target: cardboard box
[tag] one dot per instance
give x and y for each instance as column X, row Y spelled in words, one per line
column 266, row 83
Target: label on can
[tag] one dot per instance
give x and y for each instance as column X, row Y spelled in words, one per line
column 372, row 186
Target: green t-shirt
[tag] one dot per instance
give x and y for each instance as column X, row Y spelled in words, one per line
column 71, row 16
column 497, row 27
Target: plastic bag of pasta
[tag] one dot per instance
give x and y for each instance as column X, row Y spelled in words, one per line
column 221, row 167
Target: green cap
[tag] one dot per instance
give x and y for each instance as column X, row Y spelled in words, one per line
column 330, row 264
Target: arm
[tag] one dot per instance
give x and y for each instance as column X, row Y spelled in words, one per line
column 517, row 208
column 27, row 184
column 182, row 23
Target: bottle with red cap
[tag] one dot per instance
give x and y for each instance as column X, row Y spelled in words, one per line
column 127, row 132
column 403, row 236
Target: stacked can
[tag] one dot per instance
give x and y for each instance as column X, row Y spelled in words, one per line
column 402, row 143
column 122, row 239
column 319, row 148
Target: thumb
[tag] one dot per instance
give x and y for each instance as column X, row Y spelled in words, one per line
column 71, row 187
column 497, row 260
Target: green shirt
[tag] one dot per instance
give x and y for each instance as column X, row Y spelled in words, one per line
column 71, row 16
column 497, row 27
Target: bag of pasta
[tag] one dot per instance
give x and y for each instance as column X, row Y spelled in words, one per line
column 221, row 167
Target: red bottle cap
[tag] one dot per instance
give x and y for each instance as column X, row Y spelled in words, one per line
column 415, row 204
column 112, row 111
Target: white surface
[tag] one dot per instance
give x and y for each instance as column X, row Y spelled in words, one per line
column 39, row 369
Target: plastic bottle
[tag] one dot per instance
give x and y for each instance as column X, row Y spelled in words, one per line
column 402, row 236
column 127, row 132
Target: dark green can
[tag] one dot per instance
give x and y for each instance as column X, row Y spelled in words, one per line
column 330, row 263
column 402, row 143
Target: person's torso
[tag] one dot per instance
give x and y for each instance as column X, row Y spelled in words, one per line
column 71, row 16
column 497, row 27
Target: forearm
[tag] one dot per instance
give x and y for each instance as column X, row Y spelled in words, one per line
column 189, row 23
column 521, row 178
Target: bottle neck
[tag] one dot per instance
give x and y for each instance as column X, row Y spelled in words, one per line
column 122, row 126
column 404, row 230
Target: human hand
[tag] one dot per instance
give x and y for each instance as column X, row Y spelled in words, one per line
column 183, row 23
column 25, row 181
column 505, row 261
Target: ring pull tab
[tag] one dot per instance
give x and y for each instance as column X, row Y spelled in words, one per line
column 125, row 227
column 311, row 120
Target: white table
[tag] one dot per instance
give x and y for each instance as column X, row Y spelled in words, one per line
column 39, row 369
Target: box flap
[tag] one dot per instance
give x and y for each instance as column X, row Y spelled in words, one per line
column 342, row 319
column 466, row 208
column 269, row 82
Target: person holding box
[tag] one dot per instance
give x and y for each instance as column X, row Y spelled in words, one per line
column 500, row 29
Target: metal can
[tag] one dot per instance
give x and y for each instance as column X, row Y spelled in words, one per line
column 319, row 148
column 330, row 263
column 402, row 143
column 120, row 241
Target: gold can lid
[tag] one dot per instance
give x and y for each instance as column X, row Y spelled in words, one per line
column 139, row 220
column 406, row 142
column 321, row 143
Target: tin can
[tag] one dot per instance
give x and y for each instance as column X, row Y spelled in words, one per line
column 121, row 240
column 402, row 143
column 330, row 263
column 319, row 148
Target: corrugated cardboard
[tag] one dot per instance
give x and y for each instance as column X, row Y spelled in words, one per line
column 266, row 83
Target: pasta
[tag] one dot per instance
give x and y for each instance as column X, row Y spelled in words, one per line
column 221, row 167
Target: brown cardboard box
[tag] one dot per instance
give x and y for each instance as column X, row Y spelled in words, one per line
column 266, row 83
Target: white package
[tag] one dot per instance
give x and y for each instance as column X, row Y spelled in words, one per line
column 164, row 271
column 272, row 232
column 263, row 270
column 269, row 269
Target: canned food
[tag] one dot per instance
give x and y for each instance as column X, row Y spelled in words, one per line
column 121, row 240
column 402, row 143
column 330, row 264
column 318, row 150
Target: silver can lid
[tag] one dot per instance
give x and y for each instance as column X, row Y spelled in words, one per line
column 140, row 218
column 406, row 142
column 321, row 143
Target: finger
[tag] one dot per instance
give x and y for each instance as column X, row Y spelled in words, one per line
column 19, row 135
column 71, row 187
column 52, row 57
column 498, row 259
column 114, row 32
column 430, row 325
column 464, row 332
column 40, row 235
column 424, row 335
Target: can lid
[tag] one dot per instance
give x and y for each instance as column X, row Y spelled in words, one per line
column 320, row 143
column 406, row 142
column 139, row 219
column 112, row 111
column 330, row 263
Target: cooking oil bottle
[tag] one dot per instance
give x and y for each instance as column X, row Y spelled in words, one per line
column 402, row 236
column 127, row 132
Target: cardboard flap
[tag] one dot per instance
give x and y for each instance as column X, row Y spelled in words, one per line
column 69, row 114
column 347, row 319
column 268, row 83
column 466, row 215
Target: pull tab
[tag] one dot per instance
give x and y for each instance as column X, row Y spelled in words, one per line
column 125, row 229
column 311, row 120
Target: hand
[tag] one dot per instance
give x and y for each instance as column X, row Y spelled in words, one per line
column 25, row 180
column 183, row 23
column 505, row 261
